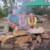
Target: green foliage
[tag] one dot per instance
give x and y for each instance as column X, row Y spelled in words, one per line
column 40, row 11
column 3, row 13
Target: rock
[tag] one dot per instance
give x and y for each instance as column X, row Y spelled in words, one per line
column 23, row 39
column 45, row 36
column 38, row 39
